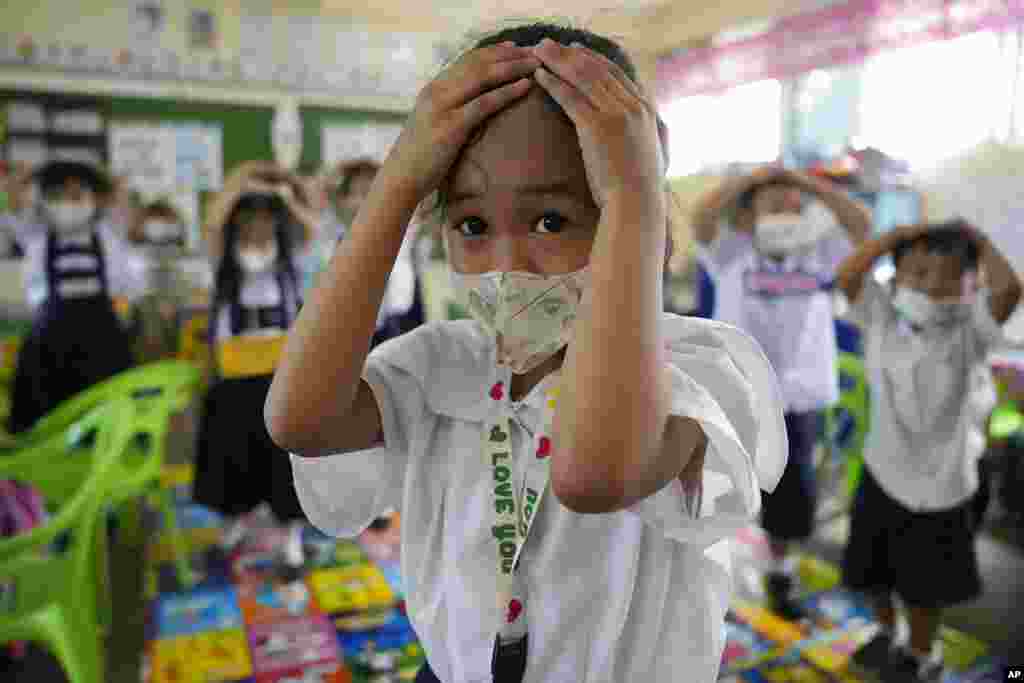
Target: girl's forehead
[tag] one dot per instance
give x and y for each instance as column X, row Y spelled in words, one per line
column 527, row 143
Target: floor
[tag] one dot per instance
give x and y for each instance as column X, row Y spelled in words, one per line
column 996, row 617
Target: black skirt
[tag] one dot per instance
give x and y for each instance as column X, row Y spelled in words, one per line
column 238, row 466
column 70, row 347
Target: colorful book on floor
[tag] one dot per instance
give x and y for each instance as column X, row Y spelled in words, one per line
column 335, row 672
column 839, row 608
column 346, row 590
column 207, row 609
column 221, row 656
column 272, row 600
column 745, row 649
column 293, row 644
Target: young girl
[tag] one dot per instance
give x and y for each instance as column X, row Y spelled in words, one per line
column 545, row 155
column 77, row 338
column 402, row 308
column 252, row 236
column 158, row 235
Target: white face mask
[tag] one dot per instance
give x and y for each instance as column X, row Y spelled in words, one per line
column 70, row 217
column 257, row 260
column 784, row 233
column 161, row 232
column 531, row 316
column 921, row 310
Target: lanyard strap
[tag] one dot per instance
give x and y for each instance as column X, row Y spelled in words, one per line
column 514, row 511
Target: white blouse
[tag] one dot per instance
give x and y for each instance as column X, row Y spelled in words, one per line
column 636, row 595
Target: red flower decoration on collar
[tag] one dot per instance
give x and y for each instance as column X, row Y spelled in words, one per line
column 515, row 608
column 544, row 447
column 497, row 391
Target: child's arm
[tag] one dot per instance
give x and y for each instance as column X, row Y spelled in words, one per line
column 713, row 204
column 851, row 274
column 614, row 441
column 852, row 215
column 318, row 402
column 1004, row 284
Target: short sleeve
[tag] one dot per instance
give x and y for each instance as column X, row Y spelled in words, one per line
column 726, row 248
column 833, row 249
column 722, row 379
column 985, row 329
column 872, row 306
column 341, row 494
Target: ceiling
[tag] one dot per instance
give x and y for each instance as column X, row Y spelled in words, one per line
column 646, row 27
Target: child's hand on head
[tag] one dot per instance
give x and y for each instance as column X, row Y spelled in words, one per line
column 449, row 108
column 616, row 122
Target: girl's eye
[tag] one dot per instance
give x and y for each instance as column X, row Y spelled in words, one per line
column 551, row 223
column 471, row 227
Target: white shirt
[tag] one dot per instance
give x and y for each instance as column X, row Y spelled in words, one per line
column 121, row 281
column 257, row 291
column 931, row 394
column 401, row 288
column 636, row 595
column 785, row 307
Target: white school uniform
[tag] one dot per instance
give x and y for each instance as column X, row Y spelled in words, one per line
column 258, row 290
column 636, row 595
column 786, row 306
column 930, row 397
column 400, row 293
column 122, row 281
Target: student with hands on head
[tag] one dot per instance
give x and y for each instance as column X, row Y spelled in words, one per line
column 257, row 225
column 770, row 244
column 71, row 280
column 549, row 456
column 926, row 336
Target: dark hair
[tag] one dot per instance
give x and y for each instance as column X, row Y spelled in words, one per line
column 950, row 238
column 746, row 200
column 229, row 272
column 349, row 170
column 54, row 174
column 162, row 207
column 528, row 35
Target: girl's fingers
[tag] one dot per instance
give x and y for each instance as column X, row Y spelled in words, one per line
column 621, row 77
column 574, row 102
column 482, row 70
column 476, row 111
column 587, row 76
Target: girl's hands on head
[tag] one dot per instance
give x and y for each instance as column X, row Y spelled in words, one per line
column 480, row 84
column 617, row 124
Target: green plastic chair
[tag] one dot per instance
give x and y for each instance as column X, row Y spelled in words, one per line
column 60, row 598
column 1007, row 420
column 141, row 379
column 847, row 422
column 160, row 390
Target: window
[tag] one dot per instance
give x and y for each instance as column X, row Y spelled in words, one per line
column 930, row 103
column 742, row 125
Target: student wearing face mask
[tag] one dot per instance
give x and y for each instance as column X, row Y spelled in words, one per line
column 77, row 338
column 402, row 309
column 770, row 244
column 912, row 531
column 158, row 235
column 259, row 224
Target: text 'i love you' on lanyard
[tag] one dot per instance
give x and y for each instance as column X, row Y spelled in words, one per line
column 514, row 513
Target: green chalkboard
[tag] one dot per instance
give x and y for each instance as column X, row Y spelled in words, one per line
column 246, row 129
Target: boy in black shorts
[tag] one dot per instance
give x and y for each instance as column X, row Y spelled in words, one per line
column 925, row 337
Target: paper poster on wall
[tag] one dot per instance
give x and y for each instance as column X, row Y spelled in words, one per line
column 146, row 155
column 198, row 156
column 148, row 20
column 202, row 29
column 340, row 143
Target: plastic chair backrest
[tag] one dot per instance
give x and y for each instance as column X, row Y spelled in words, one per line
column 849, row 418
column 111, row 424
column 163, row 374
